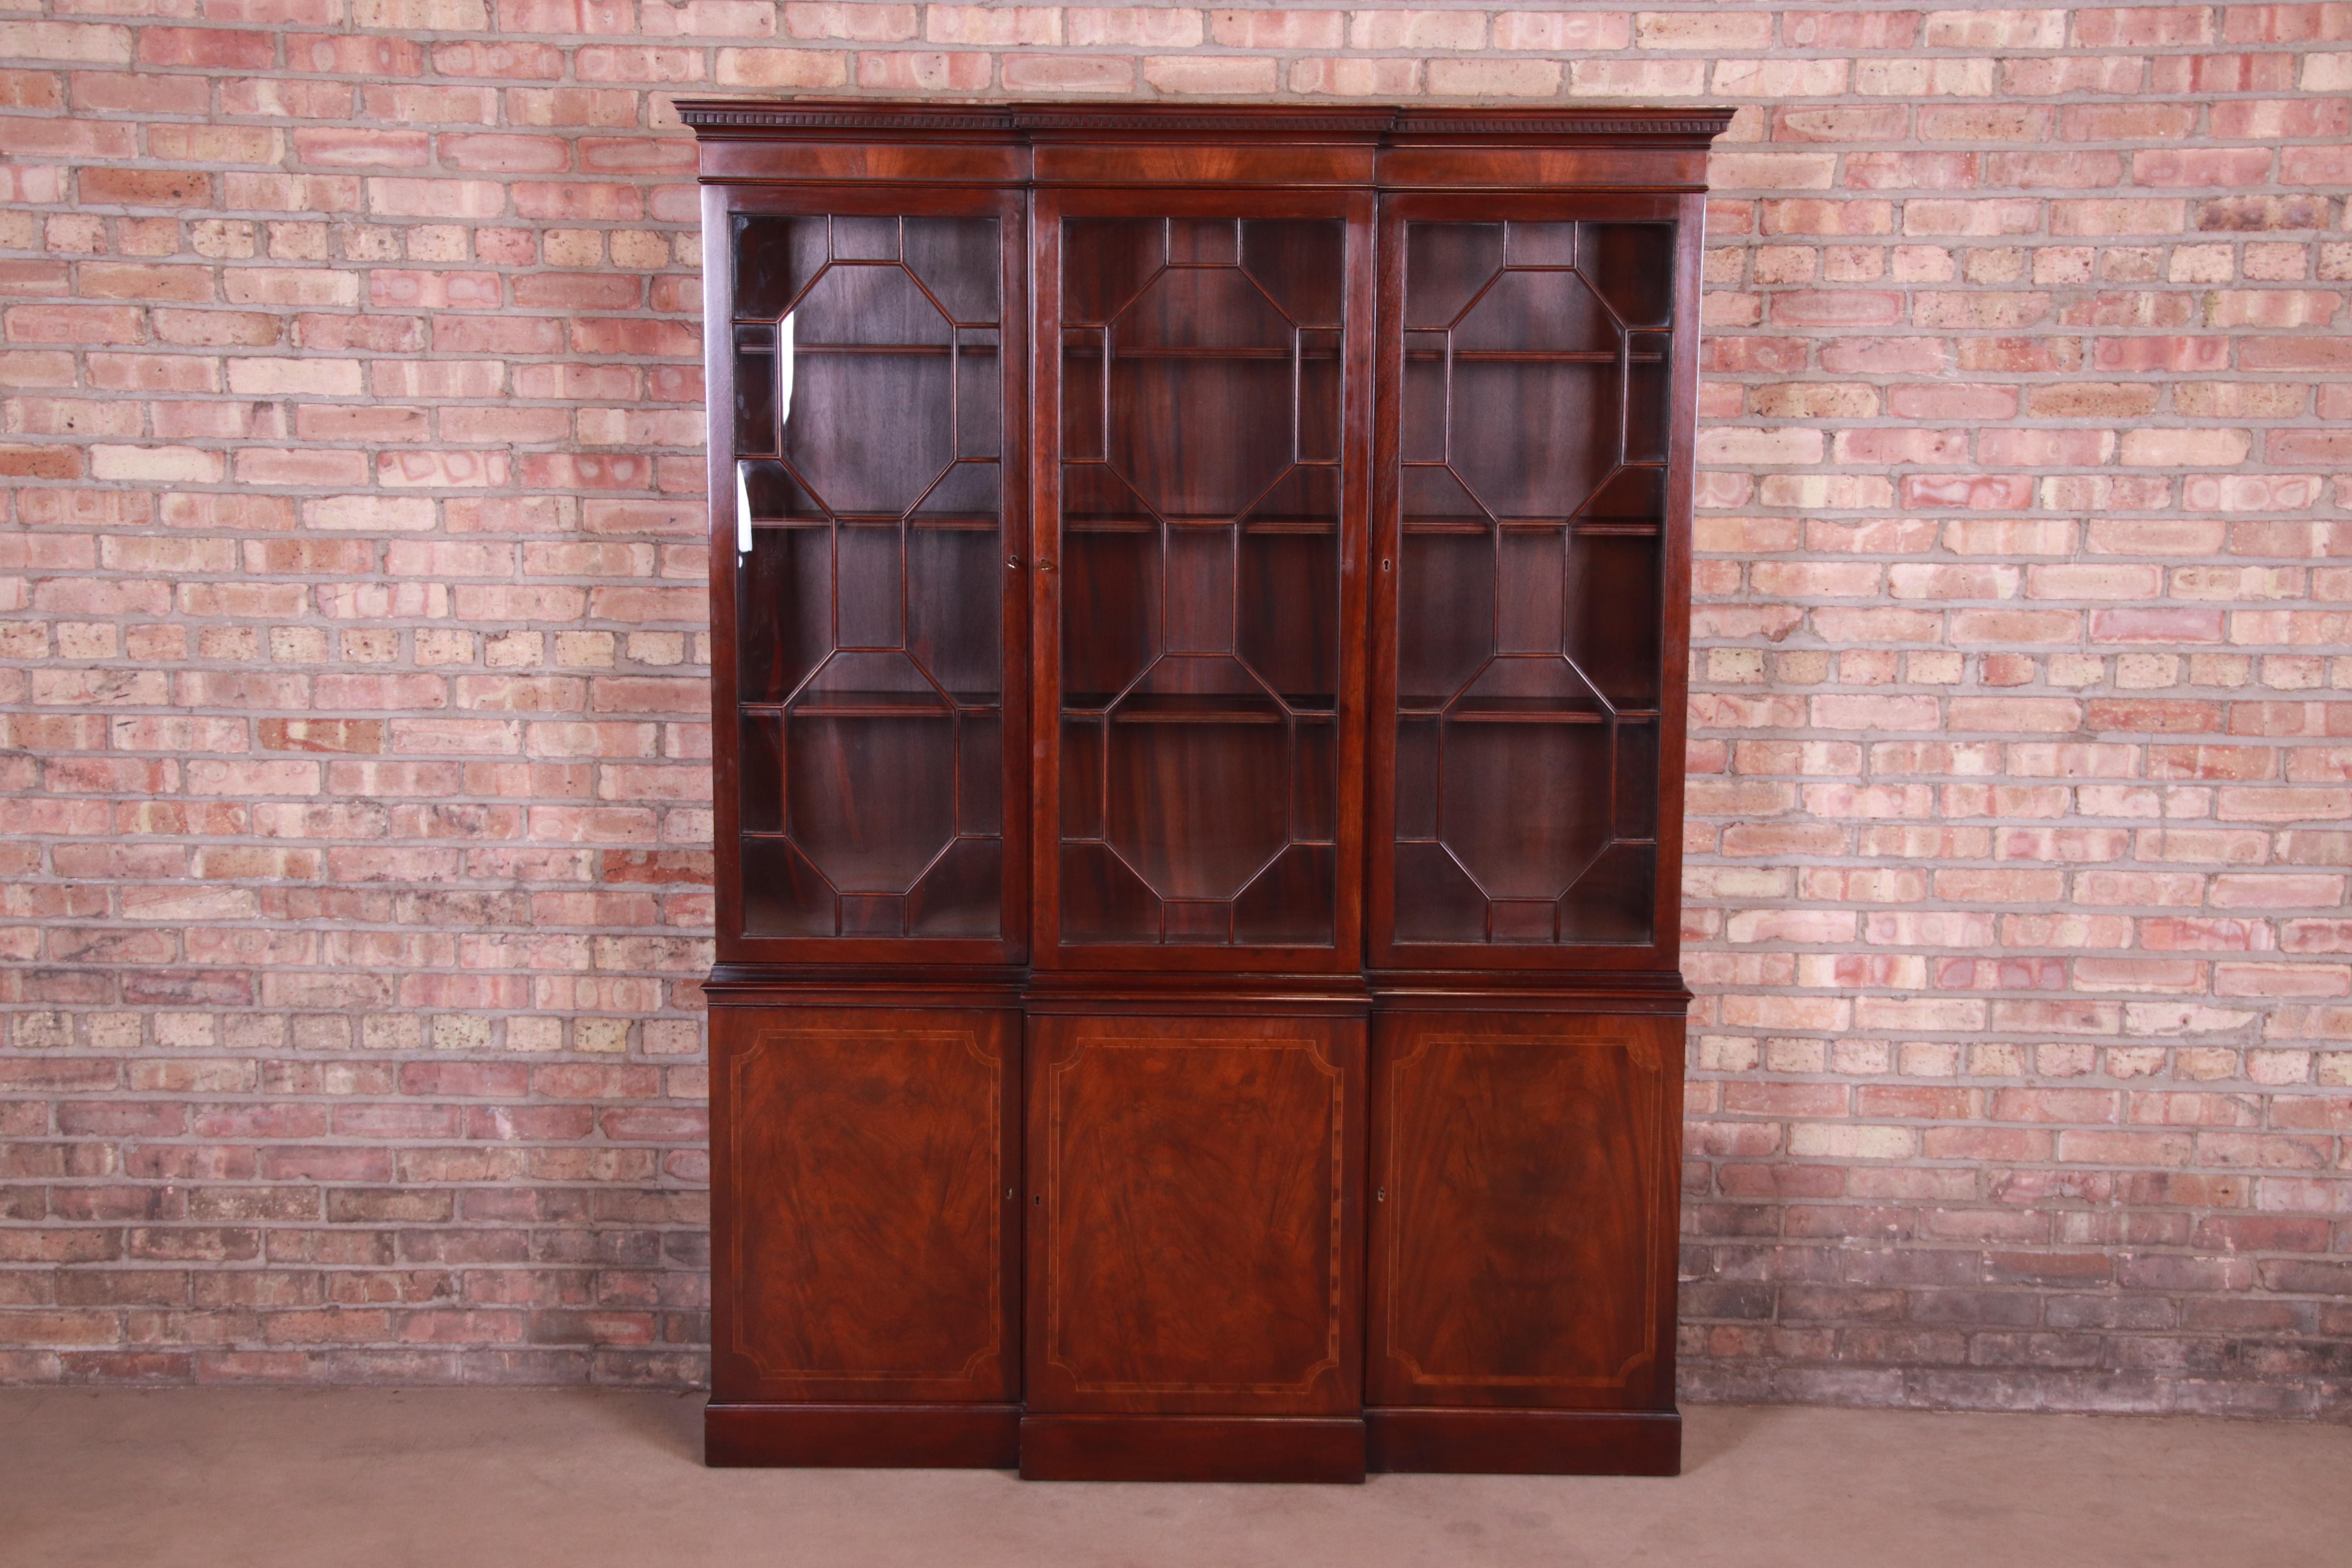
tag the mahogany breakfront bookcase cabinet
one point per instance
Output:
(1200, 607)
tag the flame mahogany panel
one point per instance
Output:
(1194, 1215)
(1522, 1166)
(864, 1168)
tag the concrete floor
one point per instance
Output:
(378, 1478)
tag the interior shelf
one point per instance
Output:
(1197, 710)
(1516, 711)
(940, 351)
(1094, 350)
(939, 524)
(1439, 843)
(779, 835)
(1521, 710)
(1530, 356)
(877, 705)
(1475, 526)
(1305, 525)
(1188, 707)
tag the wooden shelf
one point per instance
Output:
(779, 835)
(938, 351)
(1439, 843)
(939, 524)
(1530, 356)
(875, 705)
(1086, 350)
(1533, 525)
(1197, 710)
(1516, 711)
(1188, 708)
(1521, 710)
(1308, 525)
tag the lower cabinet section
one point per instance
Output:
(865, 1163)
(1193, 1219)
(1194, 1247)
(1525, 1171)
(1211, 1247)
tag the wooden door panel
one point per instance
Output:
(1193, 1243)
(1524, 1220)
(865, 1163)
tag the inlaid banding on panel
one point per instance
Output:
(1521, 1185)
(1193, 1188)
(865, 1170)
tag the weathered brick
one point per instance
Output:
(360, 532)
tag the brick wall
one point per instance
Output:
(353, 810)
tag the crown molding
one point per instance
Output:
(1018, 120)
(752, 114)
(1581, 121)
(1227, 117)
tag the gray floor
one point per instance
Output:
(357, 1478)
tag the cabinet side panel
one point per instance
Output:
(1681, 467)
(1195, 1196)
(1524, 1209)
(864, 1162)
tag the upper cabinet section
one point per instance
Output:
(1228, 538)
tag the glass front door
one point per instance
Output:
(1201, 481)
(1531, 481)
(870, 636)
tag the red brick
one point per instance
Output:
(2019, 735)
(212, 46)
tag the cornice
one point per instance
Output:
(1578, 121)
(1276, 121)
(750, 115)
(1157, 116)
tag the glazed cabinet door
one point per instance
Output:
(864, 1167)
(1524, 1170)
(1194, 1215)
(1201, 461)
(869, 630)
(1530, 619)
